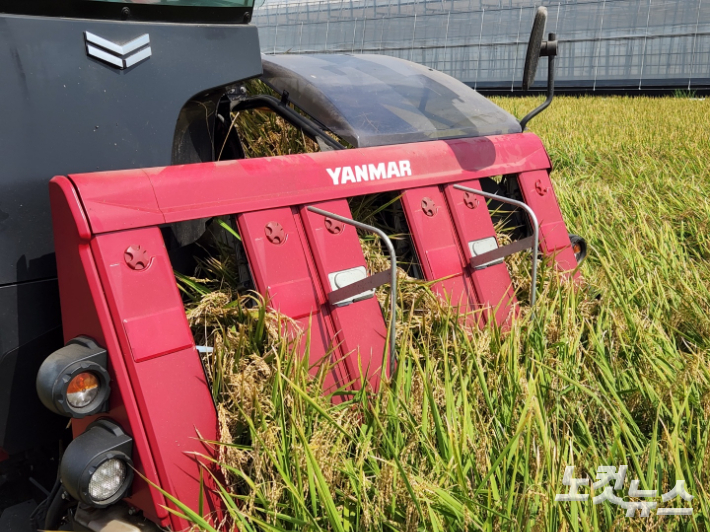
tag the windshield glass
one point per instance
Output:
(200, 3)
(377, 100)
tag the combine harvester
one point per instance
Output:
(97, 87)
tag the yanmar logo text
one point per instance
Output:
(369, 172)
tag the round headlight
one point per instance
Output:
(96, 468)
(107, 479)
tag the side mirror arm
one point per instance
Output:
(549, 49)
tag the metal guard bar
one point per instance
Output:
(358, 287)
(500, 253)
(372, 281)
(536, 234)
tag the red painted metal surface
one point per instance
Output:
(440, 255)
(492, 284)
(115, 201)
(283, 275)
(442, 221)
(85, 312)
(292, 272)
(554, 238)
(166, 373)
(360, 328)
(117, 285)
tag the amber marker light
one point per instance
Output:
(83, 389)
(74, 380)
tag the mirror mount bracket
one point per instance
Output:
(548, 48)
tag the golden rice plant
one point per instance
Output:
(477, 427)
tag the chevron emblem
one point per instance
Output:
(119, 55)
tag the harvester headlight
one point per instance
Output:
(107, 479)
(579, 247)
(74, 381)
(83, 389)
(96, 468)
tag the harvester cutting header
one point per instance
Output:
(156, 97)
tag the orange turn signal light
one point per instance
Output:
(83, 389)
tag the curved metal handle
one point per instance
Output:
(536, 230)
(393, 276)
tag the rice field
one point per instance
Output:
(477, 428)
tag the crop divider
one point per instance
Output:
(371, 282)
(533, 242)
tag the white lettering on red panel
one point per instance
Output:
(369, 172)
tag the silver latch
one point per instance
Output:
(344, 278)
(479, 247)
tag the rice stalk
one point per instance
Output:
(477, 430)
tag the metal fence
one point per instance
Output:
(631, 44)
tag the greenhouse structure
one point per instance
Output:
(639, 45)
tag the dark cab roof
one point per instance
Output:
(377, 100)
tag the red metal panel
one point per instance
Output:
(168, 378)
(538, 193)
(282, 273)
(179, 412)
(436, 243)
(132, 204)
(85, 312)
(493, 285)
(145, 344)
(361, 330)
(232, 187)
